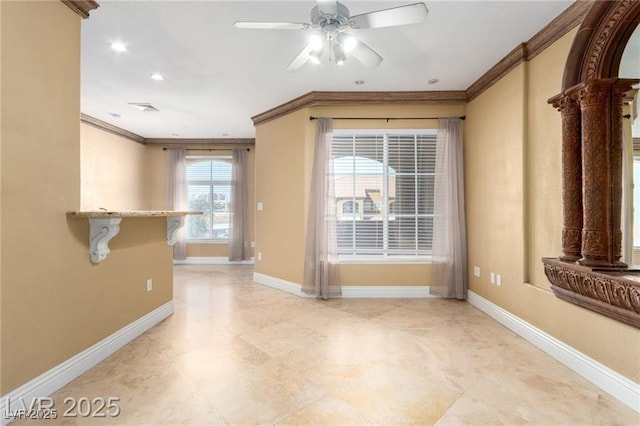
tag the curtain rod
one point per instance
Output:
(386, 118)
(205, 149)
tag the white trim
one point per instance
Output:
(427, 131)
(52, 380)
(386, 292)
(280, 284)
(349, 292)
(615, 384)
(210, 260)
(350, 259)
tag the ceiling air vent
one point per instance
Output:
(143, 106)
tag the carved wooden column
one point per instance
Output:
(601, 106)
(571, 176)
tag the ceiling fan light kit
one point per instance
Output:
(331, 23)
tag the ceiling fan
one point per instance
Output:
(331, 26)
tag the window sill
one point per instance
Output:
(361, 260)
(208, 242)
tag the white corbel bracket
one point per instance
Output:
(174, 223)
(101, 231)
(104, 225)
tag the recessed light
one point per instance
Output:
(118, 46)
(359, 82)
(157, 76)
(433, 81)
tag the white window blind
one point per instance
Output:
(384, 193)
(209, 190)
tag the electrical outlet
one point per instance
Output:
(493, 278)
(476, 271)
(259, 255)
(499, 280)
(149, 284)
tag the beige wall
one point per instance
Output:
(55, 303)
(157, 163)
(280, 167)
(114, 171)
(513, 194)
(284, 156)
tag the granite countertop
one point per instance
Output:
(129, 213)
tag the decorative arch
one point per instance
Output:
(588, 271)
(598, 46)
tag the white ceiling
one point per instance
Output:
(216, 77)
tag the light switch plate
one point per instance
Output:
(476, 271)
(260, 206)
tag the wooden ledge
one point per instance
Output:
(613, 293)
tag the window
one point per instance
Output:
(636, 202)
(350, 207)
(209, 190)
(391, 175)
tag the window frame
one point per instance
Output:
(636, 201)
(385, 258)
(211, 183)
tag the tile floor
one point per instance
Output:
(236, 352)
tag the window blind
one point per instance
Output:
(209, 190)
(384, 193)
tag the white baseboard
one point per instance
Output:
(349, 292)
(280, 284)
(386, 292)
(211, 261)
(618, 386)
(52, 380)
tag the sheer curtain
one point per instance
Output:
(321, 255)
(238, 244)
(449, 251)
(177, 195)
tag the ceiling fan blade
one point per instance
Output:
(300, 60)
(402, 15)
(271, 25)
(365, 54)
(328, 7)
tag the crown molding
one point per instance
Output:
(204, 143)
(102, 125)
(499, 70)
(570, 18)
(82, 7)
(360, 98)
